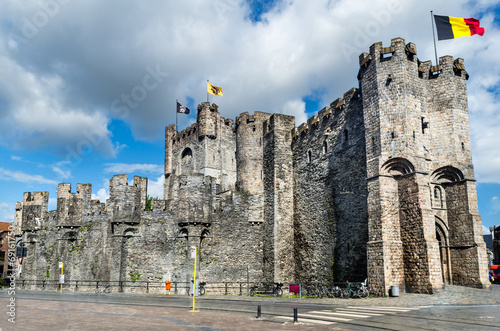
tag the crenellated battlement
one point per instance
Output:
(71, 207)
(125, 203)
(327, 116)
(185, 136)
(245, 119)
(380, 55)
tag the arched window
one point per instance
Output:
(187, 161)
(438, 197)
(186, 152)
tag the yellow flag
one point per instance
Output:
(215, 90)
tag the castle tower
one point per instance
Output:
(413, 146)
(208, 119)
(18, 218)
(169, 139)
(71, 207)
(278, 207)
(206, 148)
(126, 202)
(249, 162)
(32, 214)
(34, 210)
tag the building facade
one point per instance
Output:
(378, 185)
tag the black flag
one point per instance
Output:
(182, 109)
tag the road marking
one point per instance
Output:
(384, 309)
(328, 318)
(304, 320)
(345, 314)
(364, 312)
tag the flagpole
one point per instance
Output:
(434, 37)
(207, 92)
(176, 116)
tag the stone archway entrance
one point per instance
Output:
(444, 251)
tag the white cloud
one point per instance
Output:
(6, 212)
(23, 177)
(61, 169)
(123, 168)
(155, 188)
(63, 174)
(486, 230)
(102, 195)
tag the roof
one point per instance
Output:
(4, 226)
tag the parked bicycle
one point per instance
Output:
(337, 292)
(201, 289)
(106, 288)
(253, 290)
(277, 290)
(333, 292)
(311, 290)
(363, 290)
(360, 291)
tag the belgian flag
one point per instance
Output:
(453, 27)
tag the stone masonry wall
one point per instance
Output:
(330, 194)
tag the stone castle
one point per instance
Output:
(378, 185)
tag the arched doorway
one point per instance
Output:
(444, 250)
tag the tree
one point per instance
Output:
(149, 202)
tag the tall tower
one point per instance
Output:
(424, 229)
(279, 188)
(249, 162)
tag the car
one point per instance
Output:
(495, 272)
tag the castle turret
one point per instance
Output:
(169, 136)
(71, 207)
(278, 207)
(249, 152)
(18, 218)
(126, 202)
(208, 118)
(142, 185)
(34, 210)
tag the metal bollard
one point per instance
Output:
(258, 312)
(295, 315)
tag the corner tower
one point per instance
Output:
(418, 152)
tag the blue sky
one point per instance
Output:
(87, 87)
